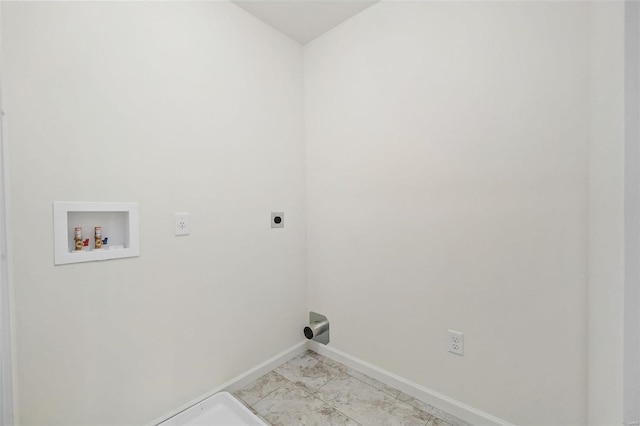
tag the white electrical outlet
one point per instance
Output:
(456, 342)
(182, 223)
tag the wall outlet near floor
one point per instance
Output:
(456, 342)
(182, 223)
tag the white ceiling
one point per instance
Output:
(304, 20)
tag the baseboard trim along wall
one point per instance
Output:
(241, 380)
(431, 397)
(438, 400)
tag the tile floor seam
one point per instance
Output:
(396, 397)
(362, 399)
(304, 389)
(368, 384)
(340, 379)
(431, 417)
(260, 399)
(336, 408)
(312, 395)
(315, 391)
(331, 405)
(347, 369)
(242, 400)
(339, 411)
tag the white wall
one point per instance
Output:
(463, 172)
(606, 213)
(6, 344)
(631, 361)
(447, 173)
(181, 107)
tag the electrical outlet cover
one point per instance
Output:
(181, 223)
(456, 343)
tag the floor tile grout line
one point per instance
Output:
(336, 371)
(331, 405)
(309, 394)
(351, 369)
(313, 395)
(362, 381)
(284, 384)
(286, 380)
(396, 397)
(368, 384)
(349, 417)
(456, 419)
(260, 399)
(328, 381)
(429, 415)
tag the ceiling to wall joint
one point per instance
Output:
(304, 20)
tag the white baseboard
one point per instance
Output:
(431, 397)
(240, 381)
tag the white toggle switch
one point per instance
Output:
(182, 223)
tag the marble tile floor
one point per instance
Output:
(311, 389)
